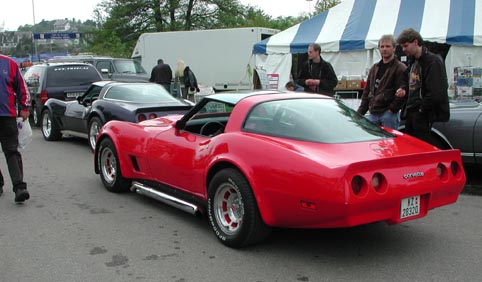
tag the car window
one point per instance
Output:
(32, 78)
(127, 66)
(92, 94)
(69, 75)
(139, 93)
(105, 65)
(316, 120)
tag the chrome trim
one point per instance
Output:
(165, 198)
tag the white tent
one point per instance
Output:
(349, 32)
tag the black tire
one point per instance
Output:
(233, 212)
(109, 168)
(50, 129)
(94, 126)
(36, 115)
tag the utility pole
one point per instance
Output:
(33, 27)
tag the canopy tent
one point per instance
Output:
(349, 32)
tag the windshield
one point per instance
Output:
(139, 93)
(128, 66)
(70, 75)
(316, 120)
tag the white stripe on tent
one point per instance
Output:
(382, 22)
(334, 26)
(435, 21)
(276, 44)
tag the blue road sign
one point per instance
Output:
(57, 35)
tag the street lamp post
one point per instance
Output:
(33, 27)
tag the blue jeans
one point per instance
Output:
(387, 119)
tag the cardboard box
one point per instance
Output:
(341, 85)
(353, 84)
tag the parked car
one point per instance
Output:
(104, 101)
(118, 69)
(63, 81)
(254, 161)
(463, 131)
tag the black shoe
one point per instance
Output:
(21, 195)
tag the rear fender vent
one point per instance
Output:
(134, 163)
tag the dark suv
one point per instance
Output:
(64, 81)
(118, 69)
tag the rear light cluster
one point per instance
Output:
(443, 172)
(143, 117)
(360, 185)
(44, 96)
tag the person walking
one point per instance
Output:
(181, 89)
(14, 96)
(384, 78)
(162, 74)
(426, 87)
(317, 75)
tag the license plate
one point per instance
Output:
(410, 207)
(73, 94)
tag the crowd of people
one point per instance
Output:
(416, 92)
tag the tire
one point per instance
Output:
(109, 167)
(94, 126)
(233, 212)
(50, 130)
(36, 116)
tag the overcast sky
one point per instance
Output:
(14, 13)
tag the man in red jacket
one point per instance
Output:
(14, 96)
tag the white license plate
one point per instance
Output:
(410, 207)
(73, 95)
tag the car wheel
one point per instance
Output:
(94, 126)
(50, 131)
(36, 115)
(110, 172)
(233, 212)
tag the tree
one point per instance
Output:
(323, 5)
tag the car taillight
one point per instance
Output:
(141, 117)
(358, 185)
(441, 171)
(379, 182)
(151, 116)
(454, 166)
(44, 96)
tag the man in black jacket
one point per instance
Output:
(317, 75)
(384, 78)
(162, 74)
(426, 80)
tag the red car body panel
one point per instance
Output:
(297, 184)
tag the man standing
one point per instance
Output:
(13, 95)
(427, 97)
(384, 78)
(162, 74)
(317, 75)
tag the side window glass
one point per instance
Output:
(104, 65)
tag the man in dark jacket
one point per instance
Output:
(384, 78)
(317, 75)
(426, 87)
(162, 74)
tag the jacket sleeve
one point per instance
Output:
(363, 108)
(434, 84)
(328, 79)
(20, 88)
(401, 79)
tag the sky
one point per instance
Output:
(14, 13)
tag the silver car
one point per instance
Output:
(463, 131)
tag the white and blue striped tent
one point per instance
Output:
(349, 32)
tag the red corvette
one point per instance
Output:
(253, 161)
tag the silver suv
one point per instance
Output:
(118, 69)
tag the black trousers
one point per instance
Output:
(418, 125)
(9, 141)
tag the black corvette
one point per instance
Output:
(105, 101)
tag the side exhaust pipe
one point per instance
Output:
(165, 198)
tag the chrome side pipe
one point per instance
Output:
(165, 198)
